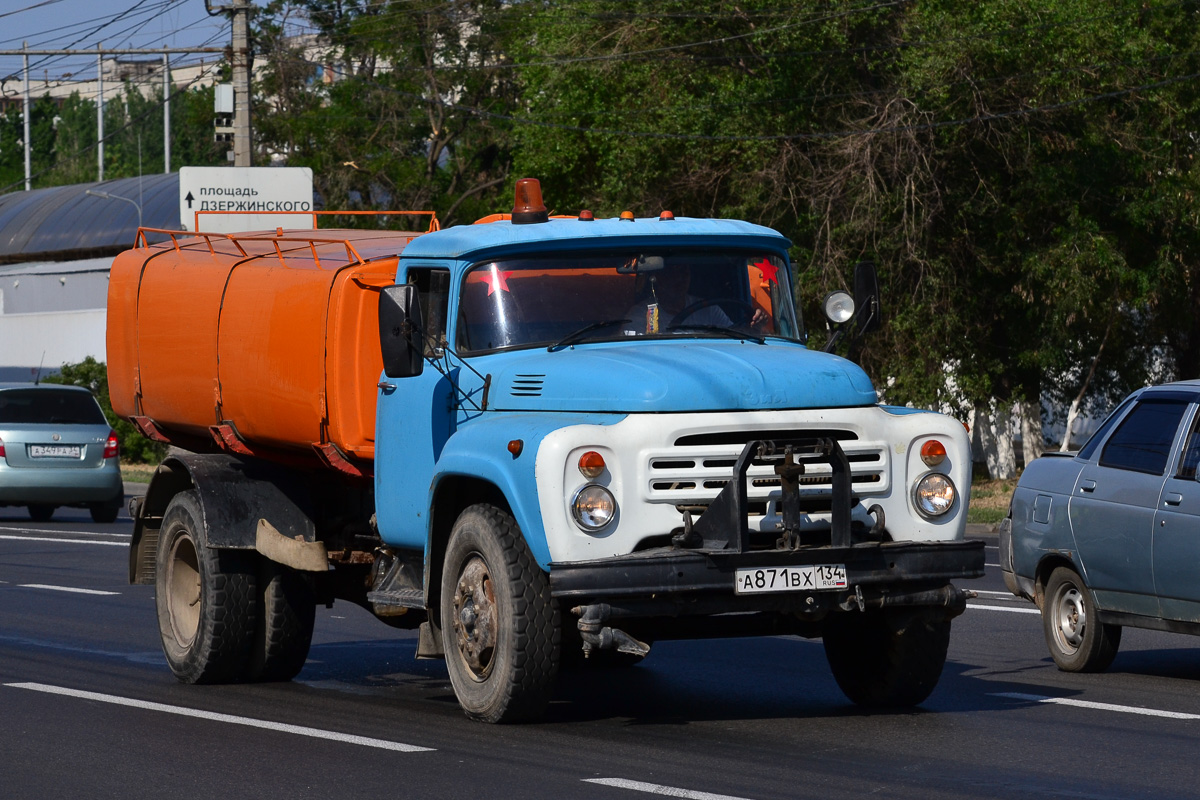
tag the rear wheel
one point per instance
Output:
(106, 512)
(41, 512)
(886, 660)
(499, 622)
(284, 629)
(1078, 641)
(206, 599)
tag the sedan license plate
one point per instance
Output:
(758, 580)
(54, 451)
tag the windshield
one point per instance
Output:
(560, 299)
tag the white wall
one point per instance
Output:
(50, 339)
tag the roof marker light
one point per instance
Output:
(528, 207)
(627, 216)
(586, 216)
(666, 216)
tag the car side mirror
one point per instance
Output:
(401, 331)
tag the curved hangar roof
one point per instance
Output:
(64, 222)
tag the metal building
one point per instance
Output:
(56, 246)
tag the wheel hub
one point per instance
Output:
(183, 591)
(1071, 618)
(476, 625)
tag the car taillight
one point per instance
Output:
(110, 447)
(1, 448)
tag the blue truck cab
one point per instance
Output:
(624, 414)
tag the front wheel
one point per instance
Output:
(1078, 641)
(890, 660)
(206, 599)
(500, 626)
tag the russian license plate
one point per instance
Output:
(54, 451)
(817, 577)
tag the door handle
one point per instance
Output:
(1172, 498)
(1087, 486)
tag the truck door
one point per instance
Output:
(413, 422)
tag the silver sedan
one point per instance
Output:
(57, 449)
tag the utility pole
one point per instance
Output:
(99, 113)
(166, 114)
(28, 165)
(242, 144)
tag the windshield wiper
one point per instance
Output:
(732, 333)
(575, 336)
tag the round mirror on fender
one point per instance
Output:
(839, 307)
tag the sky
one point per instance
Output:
(84, 24)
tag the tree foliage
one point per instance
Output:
(64, 146)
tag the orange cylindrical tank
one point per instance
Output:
(264, 344)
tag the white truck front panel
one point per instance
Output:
(657, 465)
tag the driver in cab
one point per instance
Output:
(668, 295)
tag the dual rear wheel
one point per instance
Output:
(227, 615)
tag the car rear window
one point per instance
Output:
(1143, 440)
(49, 406)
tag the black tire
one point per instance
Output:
(41, 512)
(283, 633)
(206, 599)
(500, 626)
(106, 513)
(1077, 640)
(886, 661)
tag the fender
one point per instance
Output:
(480, 450)
(234, 496)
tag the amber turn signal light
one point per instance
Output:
(591, 464)
(933, 452)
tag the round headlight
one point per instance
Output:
(934, 495)
(593, 507)
(839, 307)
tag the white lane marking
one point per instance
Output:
(986, 564)
(299, 730)
(62, 541)
(60, 531)
(654, 788)
(1005, 608)
(61, 588)
(1066, 701)
(998, 594)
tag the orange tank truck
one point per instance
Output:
(254, 344)
(550, 438)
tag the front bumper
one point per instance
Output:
(690, 580)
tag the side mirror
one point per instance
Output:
(401, 331)
(868, 316)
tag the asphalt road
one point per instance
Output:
(89, 709)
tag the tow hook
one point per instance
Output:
(598, 636)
